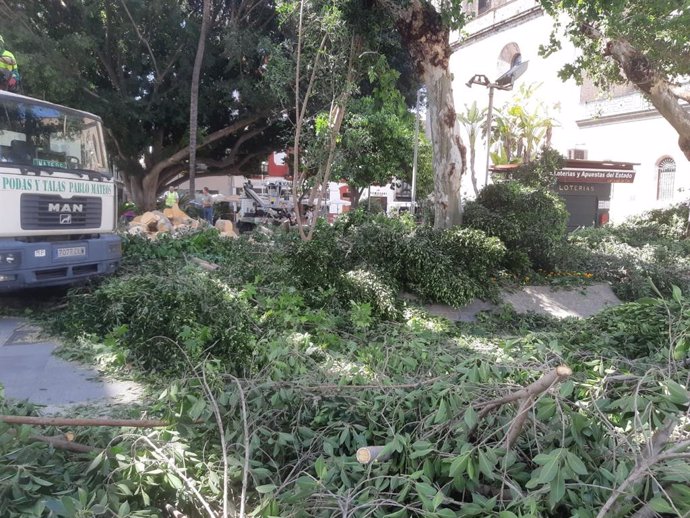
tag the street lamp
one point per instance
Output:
(264, 171)
(505, 82)
(416, 154)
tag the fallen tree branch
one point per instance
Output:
(205, 265)
(648, 459)
(58, 443)
(64, 421)
(518, 422)
(540, 386)
(369, 454)
(247, 443)
(161, 456)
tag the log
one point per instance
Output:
(62, 444)
(58, 443)
(369, 454)
(64, 421)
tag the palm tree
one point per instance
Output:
(473, 120)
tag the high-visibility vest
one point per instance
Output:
(5, 66)
(171, 199)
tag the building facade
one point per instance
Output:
(617, 126)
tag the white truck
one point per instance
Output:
(57, 198)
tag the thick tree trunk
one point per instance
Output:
(426, 38)
(662, 94)
(449, 151)
(143, 190)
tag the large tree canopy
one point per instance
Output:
(131, 62)
(642, 41)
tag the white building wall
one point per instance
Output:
(618, 129)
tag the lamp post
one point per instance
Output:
(264, 171)
(505, 82)
(413, 197)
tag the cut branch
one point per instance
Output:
(64, 421)
(531, 391)
(58, 443)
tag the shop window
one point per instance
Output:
(666, 176)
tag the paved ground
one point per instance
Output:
(582, 302)
(30, 371)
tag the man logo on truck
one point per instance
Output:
(66, 207)
(65, 219)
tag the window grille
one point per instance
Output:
(666, 178)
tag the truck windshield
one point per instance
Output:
(43, 136)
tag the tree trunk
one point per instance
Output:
(143, 190)
(639, 71)
(194, 98)
(427, 40)
(449, 151)
(473, 170)
(355, 195)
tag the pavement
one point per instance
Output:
(580, 302)
(30, 371)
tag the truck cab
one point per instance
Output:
(57, 196)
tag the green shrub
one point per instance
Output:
(189, 309)
(364, 286)
(670, 223)
(451, 266)
(526, 219)
(633, 330)
(472, 251)
(317, 263)
(628, 268)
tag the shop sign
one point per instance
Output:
(566, 187)
(595, 176)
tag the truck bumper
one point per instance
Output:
(54, 263)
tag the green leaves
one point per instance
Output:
(575, 464)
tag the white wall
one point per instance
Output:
(643, 141)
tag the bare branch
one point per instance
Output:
(142, 39)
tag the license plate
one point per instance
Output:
(72, 251)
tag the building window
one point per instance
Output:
(509, 56)
(483, 6)
(666, 170)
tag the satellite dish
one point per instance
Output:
(509, 77)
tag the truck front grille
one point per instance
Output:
(49, 212)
